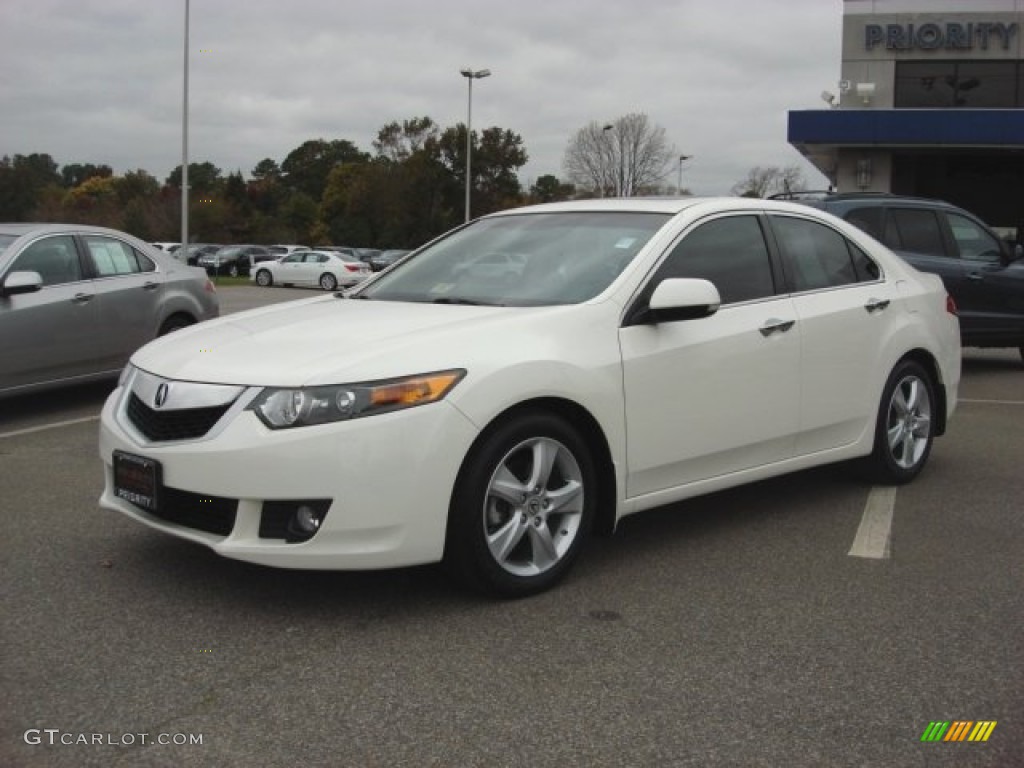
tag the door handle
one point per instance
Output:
(81, 298)
(774, 325)
(150, 286)
(876, 305)
(977, 276)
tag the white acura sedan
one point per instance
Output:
(327, 269)
(643, 351)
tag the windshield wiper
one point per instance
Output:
(470, 302)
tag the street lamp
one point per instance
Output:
(679, 181)
(470, 76)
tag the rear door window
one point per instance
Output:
(816, 256)
(868, 219)
(917, 230)
(112, 257)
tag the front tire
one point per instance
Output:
(233, 271)
(905, 426)
(264, 279)
(328, 281)
(522, 507)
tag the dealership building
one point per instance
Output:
(930, 103)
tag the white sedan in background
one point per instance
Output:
(647, 351)
(327, 269)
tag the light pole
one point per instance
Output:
(619, 184)
(184, 149)
(470, 76)
(679, 181)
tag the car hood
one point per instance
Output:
(329, 340)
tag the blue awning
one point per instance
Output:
(1002, 128)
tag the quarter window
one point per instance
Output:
(816, 256)
(730, 252)
(54, 258)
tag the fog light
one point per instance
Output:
(307, 520)
(294, 520)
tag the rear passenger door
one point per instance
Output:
(919, 236)
(843, 308)
(128, 289)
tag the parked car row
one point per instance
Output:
(239, 260)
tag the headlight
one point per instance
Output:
(305, 406)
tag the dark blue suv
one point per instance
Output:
(983, 273)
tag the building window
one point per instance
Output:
(951, 84)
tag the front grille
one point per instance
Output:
(213, 514)
(183, 424)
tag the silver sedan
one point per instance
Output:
(76, 301)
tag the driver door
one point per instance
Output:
(720, 394)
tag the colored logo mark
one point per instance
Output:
(958, 730)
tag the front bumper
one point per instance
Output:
(388, 479)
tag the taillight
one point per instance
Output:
(210, 287)
(951, 305)
(351, 267)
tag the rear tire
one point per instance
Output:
(328, 281)
(522, 507)
(905, 425)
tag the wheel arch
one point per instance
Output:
(175, 320)
(927, 361)
(591, 432)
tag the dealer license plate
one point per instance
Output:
(137, 480)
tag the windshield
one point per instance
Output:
(522, 260)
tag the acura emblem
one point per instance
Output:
(161, 394)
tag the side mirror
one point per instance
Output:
(681, 298)
(21, 282)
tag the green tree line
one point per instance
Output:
(408, 189)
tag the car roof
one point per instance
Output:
(668, 205)
(24, 228)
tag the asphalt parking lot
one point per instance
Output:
(732, 630)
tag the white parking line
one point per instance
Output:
(992, 402)
(872, 539)
(44, 427)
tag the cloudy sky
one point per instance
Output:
(100, 81)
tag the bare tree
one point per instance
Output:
(772, 180)
(620, 158)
